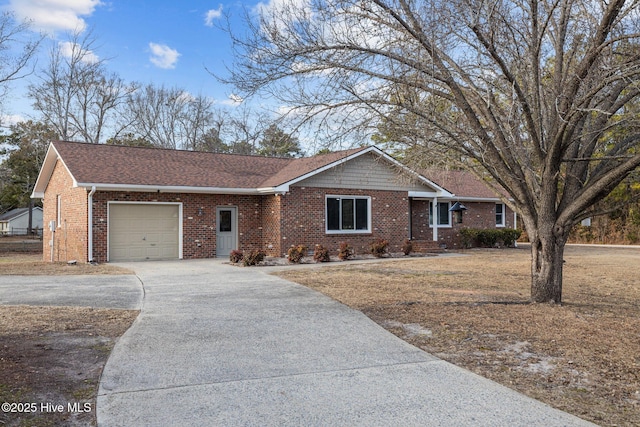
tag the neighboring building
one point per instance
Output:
(16, 222)
(148, 203)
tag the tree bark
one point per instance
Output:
(547, 259)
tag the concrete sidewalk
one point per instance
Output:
(225, 346)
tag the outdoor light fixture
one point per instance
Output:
(457, 209)
(200, 211)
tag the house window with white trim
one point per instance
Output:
(444, 216)
(58, 211)
(348, 214)
(500, 214)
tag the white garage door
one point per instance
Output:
(143, 232)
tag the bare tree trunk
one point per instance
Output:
(547, 259)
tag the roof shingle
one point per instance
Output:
(463, 184)
(122, 165)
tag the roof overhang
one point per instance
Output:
(425, 194)
(52, 157)
(167, 189)
(49, 164)
(478, 199)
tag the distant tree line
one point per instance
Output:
(76, 98)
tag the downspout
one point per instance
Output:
(90, 225)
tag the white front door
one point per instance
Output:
(226, 230)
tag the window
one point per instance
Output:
(444, 216)
(58, 211)
(345, 214)
(225, 221)
(500, 213)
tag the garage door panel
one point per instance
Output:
(143, 232)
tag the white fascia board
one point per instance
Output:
(423, 194)
(272, 190)
(167, 189)
(46, 171)
(13, 218)
(478, 199)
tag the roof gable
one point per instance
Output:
(368, 171)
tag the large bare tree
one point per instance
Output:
(75, 94)
(17, 49)
(169, 117)
(525, 91)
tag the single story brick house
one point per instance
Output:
(116, 203)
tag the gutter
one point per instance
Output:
(168, 189)
(90, 225)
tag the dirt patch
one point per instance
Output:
(582, 357)
(51, 359)
(24, 264)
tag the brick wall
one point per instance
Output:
(271, 222)
(272, 225)
(478, 215)
(303, 222)
(70, 241)
(199, 230)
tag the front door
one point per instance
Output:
(226, 230)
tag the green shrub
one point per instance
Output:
(345, 251)
(489, 238)
(296, 253)
(469, 237)
(379, 247)
(407, 247)
(235, 256)
(254, 257)
(510, 236)
(321, 254)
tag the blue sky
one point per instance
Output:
(166, 42)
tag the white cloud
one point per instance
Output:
(70, 49)
(211, 15)
(11, 119)
(54, 15)
(163, 56)
(276, 6)
(232, 101)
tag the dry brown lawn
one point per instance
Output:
(54, 354)
(582, 357)
(16, 263)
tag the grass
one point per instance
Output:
(16, 263)
(582, 356)
(54, 354)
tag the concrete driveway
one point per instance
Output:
(228, 346)
(108, 291)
